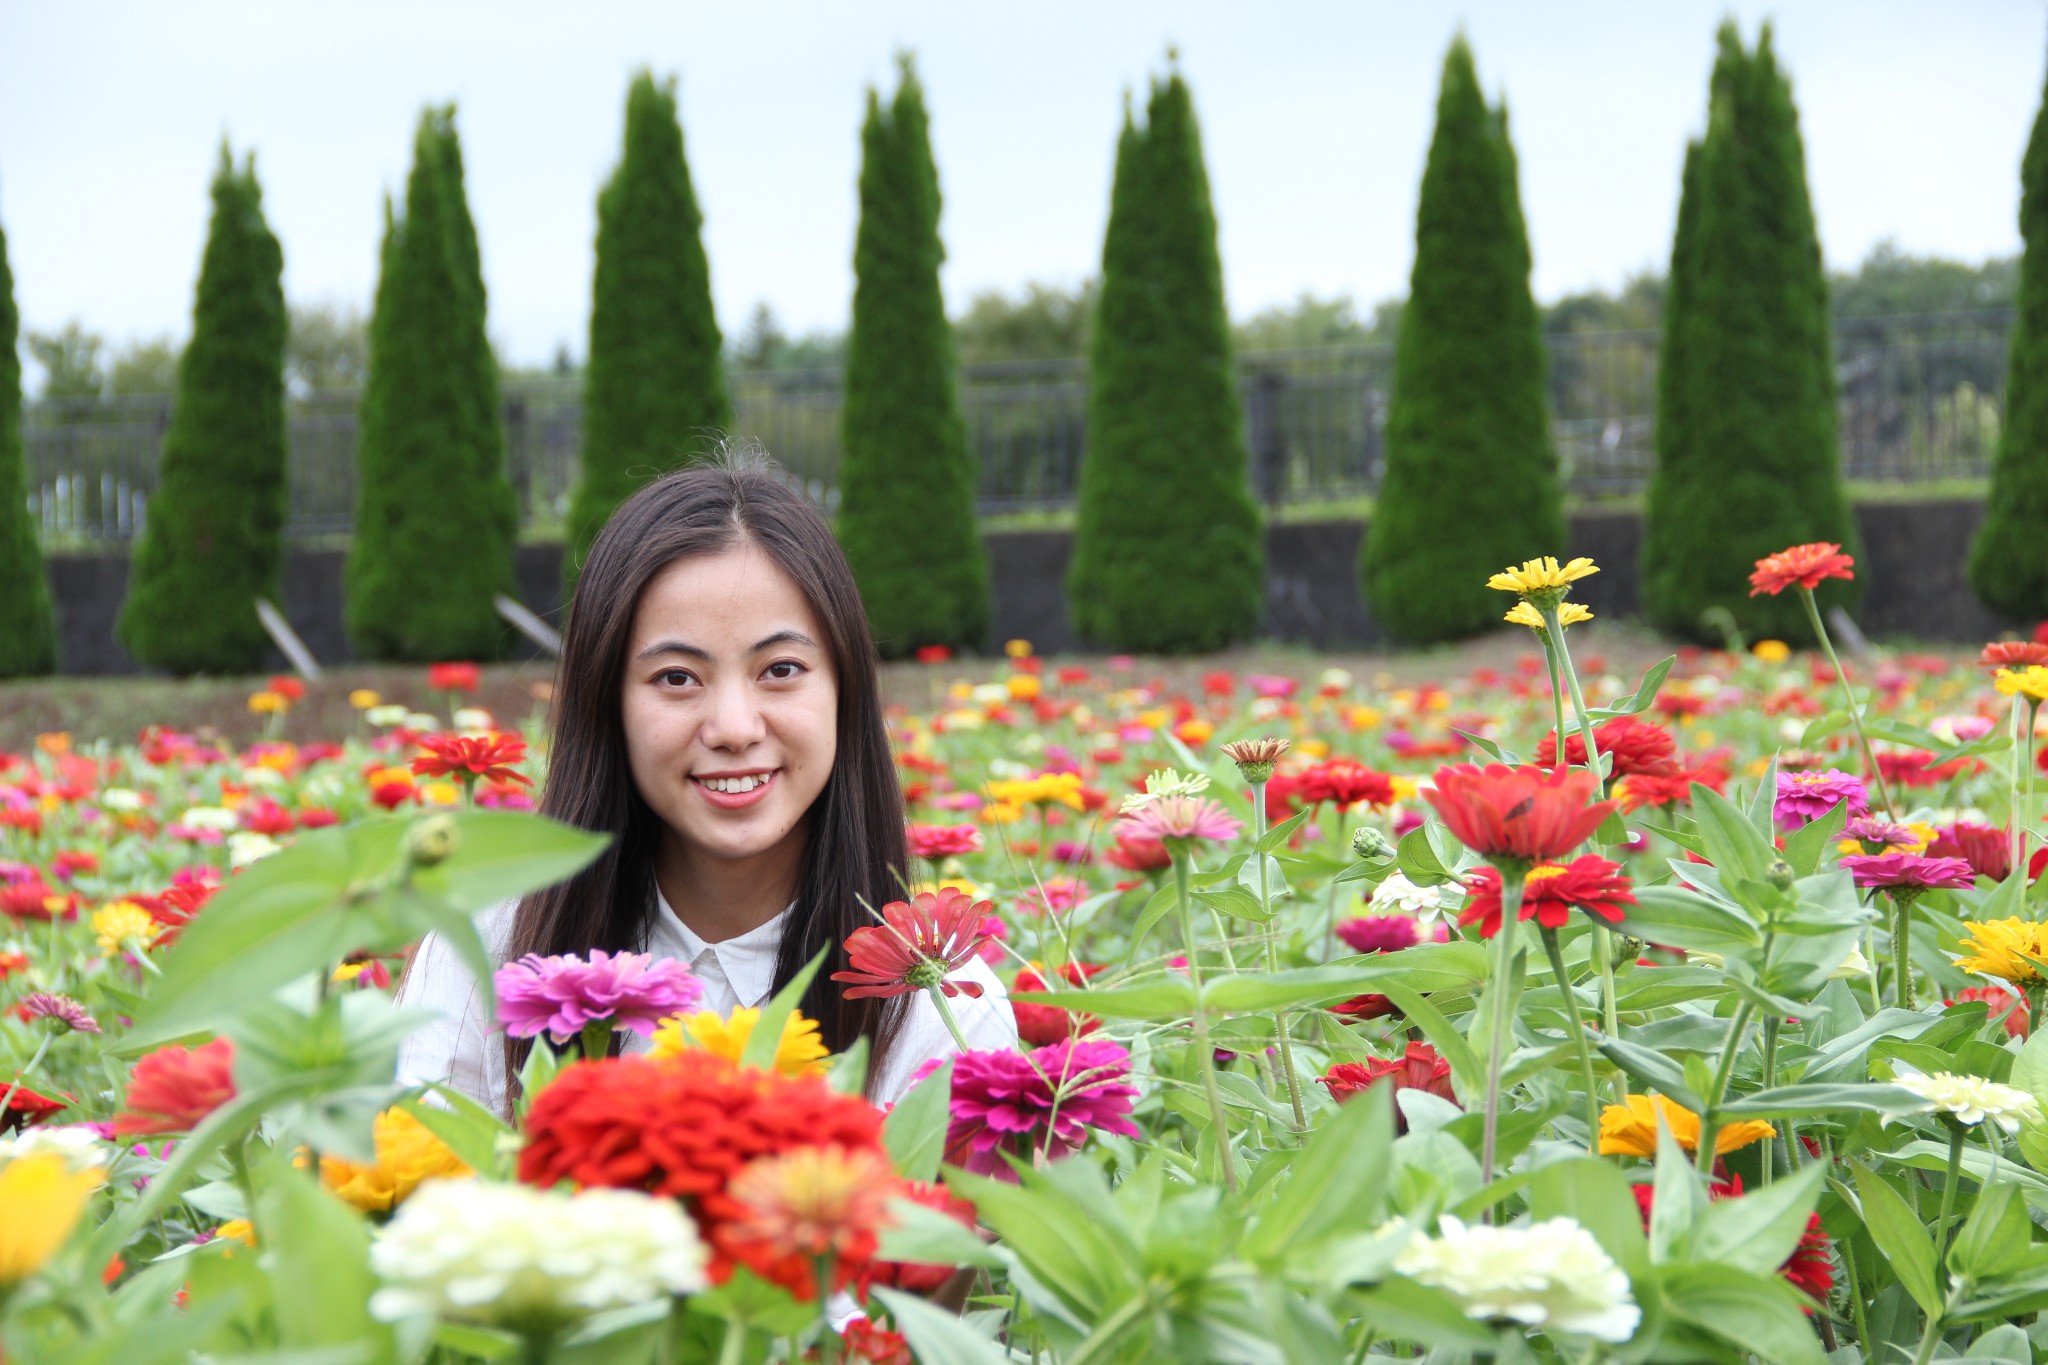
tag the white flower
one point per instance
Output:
(121, 799)
(246, 846)
(262, 777)
(1790, 728)
(473, 719)
(81, 1148)
(389, 714)
(210, 817)
(1550, 1275)
(1265, 708)
(1969, 1100)
(513, 1256)
(422, 722)
(1425, 903)
(990, 694)
(1339, 678)
(1164, 783)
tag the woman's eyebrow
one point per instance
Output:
(780, 637)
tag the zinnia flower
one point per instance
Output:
(80, 1145)
(1343, 783)
(1969, 1100)
(920, 1277)
(124, 927)
(62, 1010)
(1805, 797)
(1420, 1067)
(809, 1203)
(452, 677)
(508, 1256)
(1908, 874)
(173, 1089)
(1988, 851)
(42, 1197)
(800, 1051)
(1810, 1268)
(408, 1154)
(2014, 654)
(1802, 565)
(919, 943)
(1040, 1025)
(1550, 1275)
(1399, 895)
(933, 842)
(1180, 820)
(2030, 682)
(1379, 933)
(1542, 581)
(1876, 835)
(1631, 1129)
(1550, 892)
(1637, 747)
(1255, 757)
(25, 1106)
(1135, 852)
(2003, 948)
(1046, 1100)
(471, 758)
(1568, 614)
(1524, 815)
(559, 995)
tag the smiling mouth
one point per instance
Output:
(737, 789)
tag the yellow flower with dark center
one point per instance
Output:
(2030, 682)
(123, 927)
(1568, 614)
(1541, 580)
(41, 1198)
(1631, 1129)
(799, 1052)
(2002, 947)
(407, 1153)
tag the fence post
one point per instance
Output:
(1263, 435)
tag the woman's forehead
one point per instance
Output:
(725, 601)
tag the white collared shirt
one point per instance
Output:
(457, 1049)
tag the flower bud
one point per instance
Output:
(1367, 842)
(1779, 874)
(431, 841)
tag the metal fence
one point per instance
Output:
(1921, 401)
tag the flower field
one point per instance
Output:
(1531, 1012)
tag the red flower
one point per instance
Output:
(288, 687)
(2004, 1005)
(173, 1089)
(1803, 565)
(26, 1107)
(265, 816)
(2014, 654)
(1638, 748)
(1528, 814)
(919, 943)
(916, 1276)
(933, 842)
(682, 1127)
(452, 677)
(1988, 851)
(867, 1344)
(1343, 782)
(31, 900)
(10, 963)
(934, 654)
(1135, 852)
(175, 907)
(1040, 1025)
(472, 758)
(1810, 1268)
(1418, 1068)
(1917, 768)
(1550, 893)
(70, 862)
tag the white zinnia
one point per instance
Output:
(121, 799)
(1550, 1275)
(1970, 1100)
(247, 846)
(1398, 894)
(514, 1256)
(80, 1146)
(210, 817)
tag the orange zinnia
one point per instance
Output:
(1802, 566)
(1523, 814)
(470, 758)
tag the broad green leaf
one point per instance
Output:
(1900, 1236)
(1170, 996)
(1237, 903)
(317, 1240)
(1328, 1189)
(938, 1337)
(1736, 847)
(1758, 1313)
(1411, 1311)
(766, 1038)
(1997, 1238)
(928, 1237)
(1597, 1195)
(1807, 846)
(471, 1131)
(915, 1130)
(1279, 834)
(1680, 918)
(1638, 701)
(1418, 860)
(1158, 906)
(1432, 967)
(1759, 1230)
(1653, 1070)
(1820, 727)
(1467, 1072)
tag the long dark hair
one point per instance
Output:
(855, 849)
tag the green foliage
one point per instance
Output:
(2009, 561)
(907, 480)
(436, 517)
(1042, 322)
(1747, 458)
(28, 626)
(655, 382)
(70, 361)
(1471, 480)
(214, 539)
(1168, 553)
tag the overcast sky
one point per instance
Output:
(1316, 118)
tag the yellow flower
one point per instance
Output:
(1018, 649)
(1568, 614)
(1538, 578)
(349, 971)
(407, 1153)
(800, 1052)
(1194, 733)
(41, 1199)
(1631, 1129)
(2030, 682)
(268, 703)
(440, 794)
(2002, 948)
(363, 699)
(122, 926)
(1022, 686)
(1000, 813)
(236, 1230)
(1363, 717)
(1771, 651)
(1405, 787)
(1044, 790)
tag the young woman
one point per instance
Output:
(717, 714)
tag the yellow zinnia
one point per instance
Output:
(122, 927)
(1568, 614)
(1043, 790)
(2003, 948)
(407, 1153)
(1771, 651)
(1542, 577)
(40, 1201)
(2030, 682)
(1631, 1129)
(799, 1052)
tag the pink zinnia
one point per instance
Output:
(1045, 1100)
(1908, 872)
(933, 842)
(62, 1009)
(1182, 818)
(1379, 933)
(1869, 829)
(559, 995)
(1988, 851)
(1805, 797)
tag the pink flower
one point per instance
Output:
(1908, 872)
(1805, 797)
(918, 944)
(1045, 1100)
(559, 995)
(1379, 933)
(1869, 829)
(62, 1010)
(1183, 818)
(933, 842)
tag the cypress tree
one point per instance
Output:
(2009, 561)
(1471, 477)
(28, 626)
(1748, 460)
(214, 538)
(435, 515)
(655, 377)
(907, 480)
(1168, 551)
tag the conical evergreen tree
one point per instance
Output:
(2009, 561)
(435, 515)
(907, 480)
(28, 626)
(214, 538)
(1471, 478)
(1748, 460)
(655, 379)
(1168, 550)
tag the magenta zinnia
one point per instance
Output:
(61, 1010)
(1182, 818)
(1911, 873)
(559, 995)
(918, 945)
(1805, 797)
(1045, 1100)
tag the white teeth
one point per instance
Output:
(734, 784)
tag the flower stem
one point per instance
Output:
(42, 1050)
(828, 1343)
(1902, 951)
(946, 1013)
(1770, 1073)
(1948, 1188)
(597, 1039)
(2016, 833)
(2024, 817)
(1857, 1312)
(1710, 1122)
(1556, 689)
(1820, 630)
(1498, 986)
(1273, 957)
(1610, 1007)
(1555, 629)
(1205, 1055)
(1571, 1014)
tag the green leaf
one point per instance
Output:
(1597, 1195)
(313, 1239)
(1899, 1235)
(1759, 1230)
(938, 1337)
(1796, 1101)
(1638, 701)
(1418, 860)
(1807, 846)
(1487, 747)
(1997, 1238)
(1281, 833)
(1431, 967)
(470, 1130)
(766, 1038)
(915, 1130)
(1467, 1073)
(928, 1237)
(1327, 1190)
(1680, 918)
(1410, 1311)
(1157, 906)
(1237, 903)
(1758, 1313)
(1653, 1070)
(1736, 847)
(1170, 996)
(1820, 727)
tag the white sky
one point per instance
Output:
(1316, 118)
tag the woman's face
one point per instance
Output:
(730, 705)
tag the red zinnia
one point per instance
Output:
(933, 842)
(1529, 814)
(1040, 1025)
(1135, 852)
(918, 944)
(1550, 893)
(471, 758)
(31, 900)
(1638, 747)
(1988, 851)
(1343, 783)
(2003, 1004)
(173, 1089)
(2014, 654)
(1810, 1268)
(452, 677)
(1801, 565)
(1420, 1067)
(26, 1107)
(919, 1277)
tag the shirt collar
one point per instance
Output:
(748, 961)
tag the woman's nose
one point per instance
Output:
(735, 720)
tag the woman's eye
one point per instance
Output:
(672, 677)
(789, 669)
